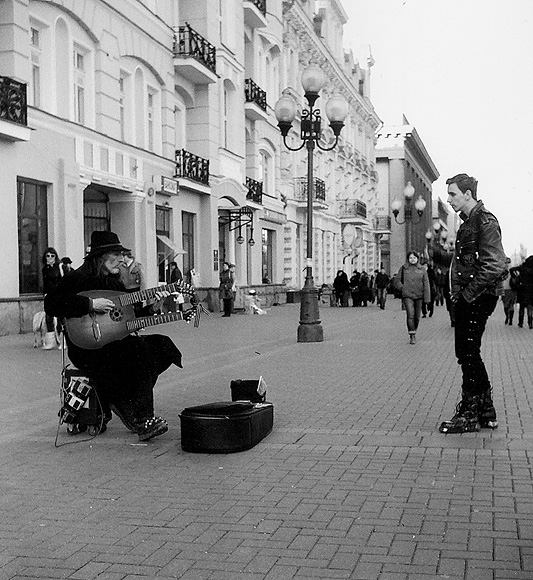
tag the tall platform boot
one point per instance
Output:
(487, 412)
(466, 418)
(412, 337)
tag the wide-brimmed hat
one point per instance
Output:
(102, 242)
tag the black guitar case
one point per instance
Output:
(225, 427)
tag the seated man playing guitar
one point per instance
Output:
(125, 370)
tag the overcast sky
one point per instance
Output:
(462, 73)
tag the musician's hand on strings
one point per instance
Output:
(159, 299)
(102, 305)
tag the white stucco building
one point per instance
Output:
(155, 119)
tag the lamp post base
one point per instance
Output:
(310, 329)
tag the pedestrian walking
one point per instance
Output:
(429, 307)
(477, 271)
(510, 286)
(364, 289)
(382, 282)
(524, 276)
(412, 281)
(226, 289)
(341, 285)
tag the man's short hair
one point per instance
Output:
(464, 182)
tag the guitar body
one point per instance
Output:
(95, 330)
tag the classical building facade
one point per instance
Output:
(402, 159)
(155, 119)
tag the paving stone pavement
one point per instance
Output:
(354, 482)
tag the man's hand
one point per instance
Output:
(102, 305)
(159, 299)
(456, 297)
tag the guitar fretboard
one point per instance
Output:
(134, 297)
(146, 321)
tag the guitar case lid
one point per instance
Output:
(219, 409)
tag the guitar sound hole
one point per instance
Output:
(116, 315)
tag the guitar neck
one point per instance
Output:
(146, 321)
(134, 297)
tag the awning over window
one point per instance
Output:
(171, 249)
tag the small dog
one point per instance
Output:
(39, 329)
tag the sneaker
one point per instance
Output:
(466, 418)
(151, 427)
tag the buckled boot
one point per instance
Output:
(487, 412)
(466, 418)
(151, 427)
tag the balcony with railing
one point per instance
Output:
(191, 166)
(13, 110)
(351, 211)
(255, 13)
(194, 56)
(255, 101)
(255, 190)
(300, 190)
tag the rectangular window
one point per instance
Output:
(119, 163)
(79, 87)
(267, 240)
(187, 240)
(122, 111)
(150, 113)
(32, 234)
(35, 92)
(162, 228)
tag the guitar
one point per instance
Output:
(96, 329)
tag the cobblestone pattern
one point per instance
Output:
(355, 482)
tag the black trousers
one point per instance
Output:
(470, 322)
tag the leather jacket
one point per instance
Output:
(478, 265)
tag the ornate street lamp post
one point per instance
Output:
(313, 80)
(420, 206)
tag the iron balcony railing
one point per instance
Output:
(187, 42)
(191, 166)
(255, 190)
(349, 208)
(13, 103)
(261, 5)
(382, 222)
(300, 189)
(254, 94)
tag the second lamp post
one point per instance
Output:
(313, 80)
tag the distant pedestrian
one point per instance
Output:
(524, 274)
(131, 273)
(510, 287)
(226, 289)
(175, 301)
(412, 281)
(341, 285)
(65, 265)
(477, 270)
(428, 308)
(233, 288)
(382, 282)
(364, 289)
(354, 288)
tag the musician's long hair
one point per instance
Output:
(94, 267)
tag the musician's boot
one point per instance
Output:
(49, 341)
(125, 414)
(487, 412)
(466, 418)
(151, 427)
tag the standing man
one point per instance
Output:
(382, 282)
(477, 270)
(131, 273)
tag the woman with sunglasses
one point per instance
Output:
(51, 278)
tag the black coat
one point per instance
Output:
(125, 370)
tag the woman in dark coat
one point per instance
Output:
(124, 371)
(51, 278)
